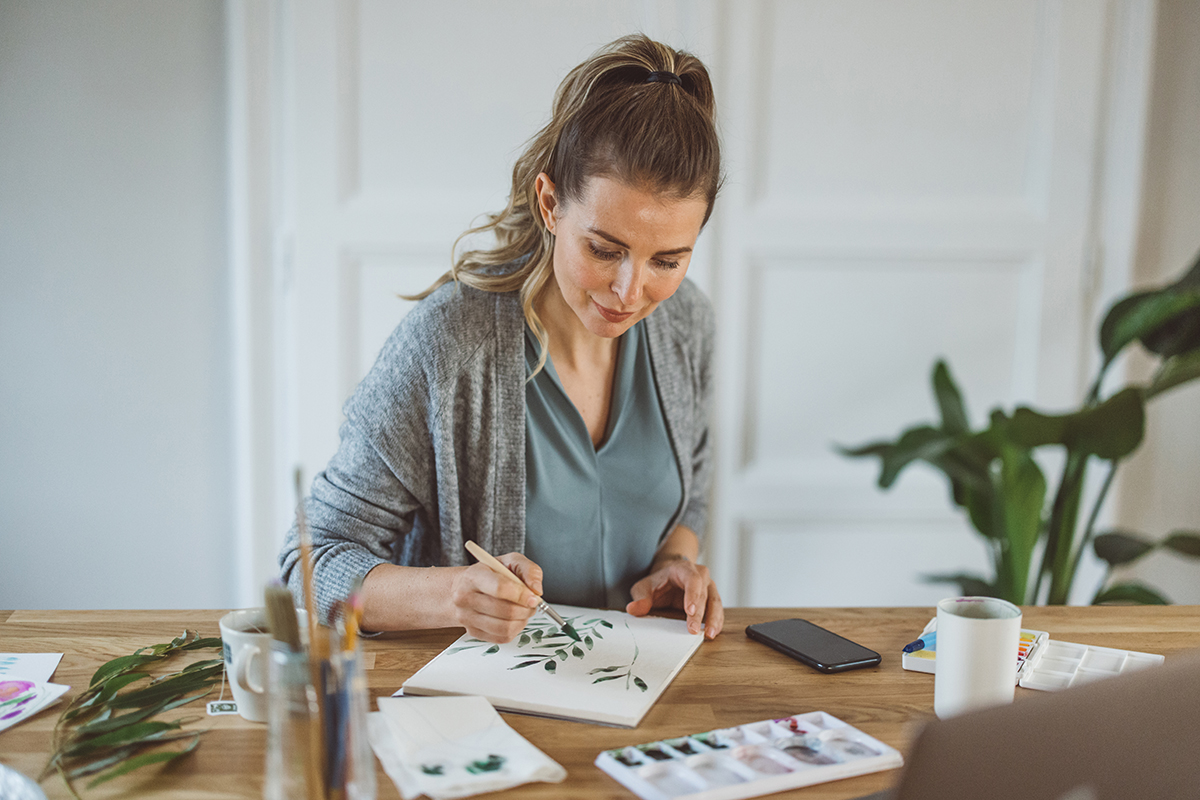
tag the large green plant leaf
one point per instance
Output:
(1175, 371)
(1024, 498)
(950, 401)
(1130, 593)
(1110, 430)
(1166, 321)
(1119, 547)
(1186, 543)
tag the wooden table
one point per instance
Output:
(729, 681)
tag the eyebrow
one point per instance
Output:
(674, 252)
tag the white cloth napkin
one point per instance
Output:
(448, 747)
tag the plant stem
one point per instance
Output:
(1061, 530)
(1090, 530)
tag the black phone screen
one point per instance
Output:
(813, 645)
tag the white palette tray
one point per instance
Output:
(749, 760)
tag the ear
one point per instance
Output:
(547, 201)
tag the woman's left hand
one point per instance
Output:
(681, 583)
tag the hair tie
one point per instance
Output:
(664, 77)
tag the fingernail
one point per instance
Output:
(691, 609)
(711, 633)
(532, 602)
(693, 627)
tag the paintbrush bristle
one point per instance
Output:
(281, 613)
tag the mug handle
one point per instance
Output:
(243, 660)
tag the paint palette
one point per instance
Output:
(1044, 664)
(1057, 665)
(749, 760)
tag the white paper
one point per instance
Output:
(977, 643)
(21, 699)
(450, 747)
(37, 667)
(612, 677)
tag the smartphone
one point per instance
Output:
(813, 645)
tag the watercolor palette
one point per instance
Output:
(1044, 664)
(1058, 665)
(749, 760)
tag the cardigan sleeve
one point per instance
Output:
(360, 515)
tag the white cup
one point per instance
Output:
(976, 663)
(246, 643)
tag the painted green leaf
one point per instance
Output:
(638, 682)
(1118, 547)
(144, 760)
(577, 651)
(525, 664)
(562, 655)
(1185, 543)
(606, 623)
(587, 640)
(523, 640)
(551, 665)
(609, 678)
(1130, 593)
(491, 650)
(604, 669)
(537, 636)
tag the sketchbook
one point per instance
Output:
(612, 677)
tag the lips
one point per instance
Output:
(610, 315)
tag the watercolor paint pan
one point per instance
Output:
(1045, 664)
(748, 760)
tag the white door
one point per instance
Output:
(905, 181)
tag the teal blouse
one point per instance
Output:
(594, 516)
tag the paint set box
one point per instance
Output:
(1044, 664)
(749, 760)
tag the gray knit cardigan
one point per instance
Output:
(433, 447)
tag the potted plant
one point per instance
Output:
(995, 478)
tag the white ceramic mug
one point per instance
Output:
(246, 643)
(976, 664)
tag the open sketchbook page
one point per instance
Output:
(612, 677)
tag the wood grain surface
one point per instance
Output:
(729, 681)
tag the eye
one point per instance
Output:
(664, 263)
(605, 255)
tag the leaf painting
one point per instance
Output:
(616, 670)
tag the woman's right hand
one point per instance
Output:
(490, 606)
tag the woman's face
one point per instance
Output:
(619, 250)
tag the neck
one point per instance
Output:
(572, 346)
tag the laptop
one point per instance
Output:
(1132, 737)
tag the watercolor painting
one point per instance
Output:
(612, 676)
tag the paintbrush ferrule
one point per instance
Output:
(545, 608)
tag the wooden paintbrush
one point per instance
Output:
(318, 655)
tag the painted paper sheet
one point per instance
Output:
(612, 676)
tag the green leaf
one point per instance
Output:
(606, 623)
(609, 678)
(604, 669)
(949, 401)
(91, 768)
(130, 734)
(137, 762)
(1111, 430)
(170, 687)
(1159, 319)
(120, 665)
(203, 665)
(492, 650)
(1024, 497)
(1185, 543)
(199, 644)
(638, 682)
(1118, 547)
(524, 640)
(562, 654)
(525, 664)
(1174, 371)
(551, 665)
(1130, 593)
(537, 636)
(587, 640)
(577, 651)
(969, 585)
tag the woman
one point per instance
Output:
(548, 397)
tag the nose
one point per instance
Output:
(629, 281)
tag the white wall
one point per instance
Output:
(1161, 484)
(114, 429)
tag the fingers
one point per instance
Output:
(490, 606)
(685, 585)
(524, 569)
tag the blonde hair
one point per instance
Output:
(609, 120)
